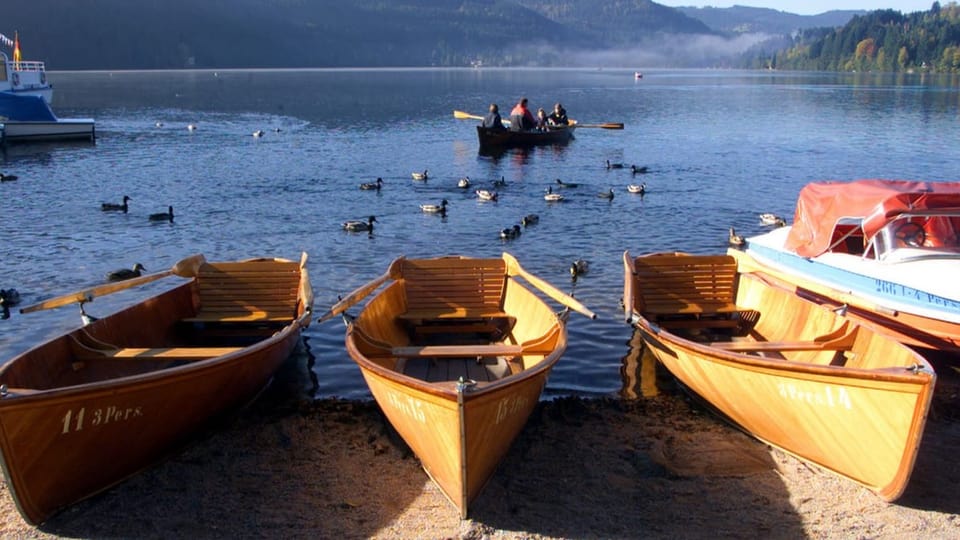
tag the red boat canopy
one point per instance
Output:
(869, 203)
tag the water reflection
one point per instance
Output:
(638, 370)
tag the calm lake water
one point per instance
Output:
(721, 147)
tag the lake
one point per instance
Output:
(721, 147)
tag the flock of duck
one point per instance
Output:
(125, 207)
(366, 225)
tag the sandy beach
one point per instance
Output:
(660, 467)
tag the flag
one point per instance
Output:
(6, 41)
(16, 49)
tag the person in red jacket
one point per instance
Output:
(521, 118)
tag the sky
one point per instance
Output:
(812, 7)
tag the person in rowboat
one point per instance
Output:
(559, 116)
(541, 119)
(492, 119)
(521, 119)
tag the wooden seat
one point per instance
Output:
(453, 289)
(689, 291)
(250, 291)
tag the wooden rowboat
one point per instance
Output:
(792, 373)
(505, 138)
(456, 352)
(87, 409)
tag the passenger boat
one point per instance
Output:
(491, 138)
(87, 409)
(456, 352)
(887, 250)
(25, 113)
(794, 374)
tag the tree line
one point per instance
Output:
(882, 40)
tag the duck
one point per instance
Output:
(551, 196)
(500, 183)
(435, 208)
(191, 127)
(9, 297)
(735, 239)
(125, 273)
(110, 207)
(486, 195)
(7, 177)
(637, 188)
(159, 124)
(163, 216)
(529, 219)
(563, 184)
(359, 226)
(606, 194)
(421, 176)
(638, 170)
(579, 267)
(767, 218)
(614, 165)
(464, 182)
(257, 134)
(511, 233)
(372, 185)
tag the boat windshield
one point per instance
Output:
(917, 236)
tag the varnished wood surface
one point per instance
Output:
(87, 409)
(445, 320)
(854, 404)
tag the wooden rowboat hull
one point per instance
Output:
(78, 417)
(857, 409)
(458, 413)
(498, 138)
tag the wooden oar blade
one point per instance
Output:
(187, 267)
(608, 125)
(514, 269)
(461, 115)
(87, 295)
(361, 292)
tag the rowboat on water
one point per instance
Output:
(888, 250)
(87, 409)
(456, 352)
(491, 138)
(794, 374)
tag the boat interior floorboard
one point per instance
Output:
(452, 369)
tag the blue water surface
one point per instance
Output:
(721, 147)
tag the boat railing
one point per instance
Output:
(29, 65)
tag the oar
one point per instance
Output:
(362, 292)
(514, 269)
(185, 268)
(460, 115)
(607, 125)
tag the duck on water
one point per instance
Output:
(163, 216)
(359, 225)
(114, 207)
(125, 273)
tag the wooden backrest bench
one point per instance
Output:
(688, 291)
(251, 291)
(453, 288)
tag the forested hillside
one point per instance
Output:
(165, 34)
(883, 40)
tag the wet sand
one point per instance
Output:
(659, 467)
